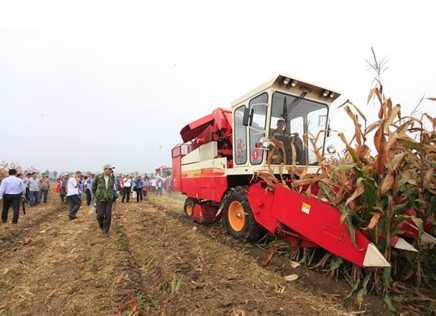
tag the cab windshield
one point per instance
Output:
(291, 118)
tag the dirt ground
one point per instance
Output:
(154, 262)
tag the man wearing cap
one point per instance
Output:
(12, 190)
(102, 187)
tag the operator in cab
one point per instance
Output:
(279, 133)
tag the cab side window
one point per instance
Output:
(240, 137)
(258, 106)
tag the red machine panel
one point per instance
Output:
(320, 223)
(204, 187)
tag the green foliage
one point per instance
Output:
(377, 190)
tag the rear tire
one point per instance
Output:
(189, 206)
(239, 219)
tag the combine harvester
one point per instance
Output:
(221, 153)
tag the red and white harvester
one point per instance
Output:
(214, 168)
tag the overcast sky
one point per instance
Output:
(85, 83)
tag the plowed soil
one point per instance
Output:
(154, 262)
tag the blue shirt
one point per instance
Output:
(139, 183)
(12, 185)
(90, 182)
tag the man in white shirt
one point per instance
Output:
(73, 194)
(127, 189)
(12, 189)
(34, 190)
(26, 182)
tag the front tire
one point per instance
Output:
(239, 219)
(189, 206)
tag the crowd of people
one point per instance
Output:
(17, 188)
(125, 187)
(100, 191)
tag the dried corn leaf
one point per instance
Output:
(350, 149)
(386, 184)
(409, 143)
(431, 119)
(132, 305)
(302, 172)
(360, 189)
(428, 178)
(388, 105)
(395, 162)
(357, 127)
(392, 140)
(304, 182)
(362, 151)
(370, 95)
(267, 259)
(394, 113)
(358, 111)
(291, 277)
(378, 93)
(379, 143)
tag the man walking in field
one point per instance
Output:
(87, 185)
(34, 193)
(12, 190)
(63, 187)
(102, 188)
(139, 184)
(44, 186)
(26, 182)
(73, 194)
(127, 187)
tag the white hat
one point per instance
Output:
(108, 167)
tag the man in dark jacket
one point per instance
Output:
(139, 184)
(102, 187)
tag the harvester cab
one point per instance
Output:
(278, 115)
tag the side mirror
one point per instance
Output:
(264, 142)
(331, 149)
(246, 120)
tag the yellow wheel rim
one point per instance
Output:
(189, 209)
(236, 216)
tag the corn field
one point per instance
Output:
(377, 191)
(5, 166)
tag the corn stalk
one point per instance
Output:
(386, 169)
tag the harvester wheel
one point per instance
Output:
(239, 219)
(188, 208)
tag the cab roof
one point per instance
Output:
(292, 85)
